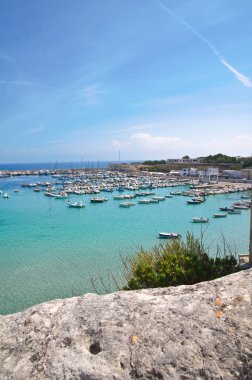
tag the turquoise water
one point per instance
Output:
(49, 251)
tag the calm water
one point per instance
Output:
(49, 251)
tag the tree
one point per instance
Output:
(186, 158)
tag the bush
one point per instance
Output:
(175, 263)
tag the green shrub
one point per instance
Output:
(175, 263)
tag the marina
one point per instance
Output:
(48, 251)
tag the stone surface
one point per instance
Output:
(188, 332)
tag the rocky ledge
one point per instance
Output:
(202, 331)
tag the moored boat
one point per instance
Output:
(126, 204)
(219, 215)
(98, 200)
(144, 201)
(79, 204)
(169, 235)
(234, 212)
(200, 220)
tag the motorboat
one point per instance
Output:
(154, 200)
(126, 204)
(219, 215)
(79, 204)
(234, 212)
(6, 195)
(158, 198)
(200, 220)
(240, 206)
(98, 200)
(169, 235)
(225, 208)
(193, 201)
(144, 201)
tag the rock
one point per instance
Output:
(196, 332)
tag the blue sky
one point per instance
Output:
(153, 79)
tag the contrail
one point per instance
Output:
(242, 78)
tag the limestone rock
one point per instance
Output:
(196, 332)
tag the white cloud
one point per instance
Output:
(155, 141)
(120, 144)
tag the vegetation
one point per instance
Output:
(247, 162)
(175, 263)
(220, 158)
(155, 162)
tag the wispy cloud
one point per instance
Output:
(92, 94)
(146, 138)
(36, 130)
(7, 58)
(241, 77)
(26, 84)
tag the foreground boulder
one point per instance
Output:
(202, 331)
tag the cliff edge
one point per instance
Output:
(202, 331)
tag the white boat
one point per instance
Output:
(240, 206)
(193, 202)
(144, 201)
(60, 196)
(98, 200)
(6, 195)
(219, 215)
(235, 212)
(200, 220)
(169, 235)
(79, 204)
(152, 200)
(158, 198)
(126, 204)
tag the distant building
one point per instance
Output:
(123, 167)
(235, 174)
(182, 160)
(210, 174)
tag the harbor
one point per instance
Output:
(50, 249)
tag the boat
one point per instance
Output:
(240, 206)
(16, 191)
(144, 201)
(98, 200)
(158, 198)
(6, 195)
(234, 212)
(126, 204)
(169, 235)
(193, 201)
(60, 196)
(219, 215)
(79, 204)
(225, 208)
(200, 220)
(153, 200)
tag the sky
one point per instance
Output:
(151, 79)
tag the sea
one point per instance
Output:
(50, 251)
